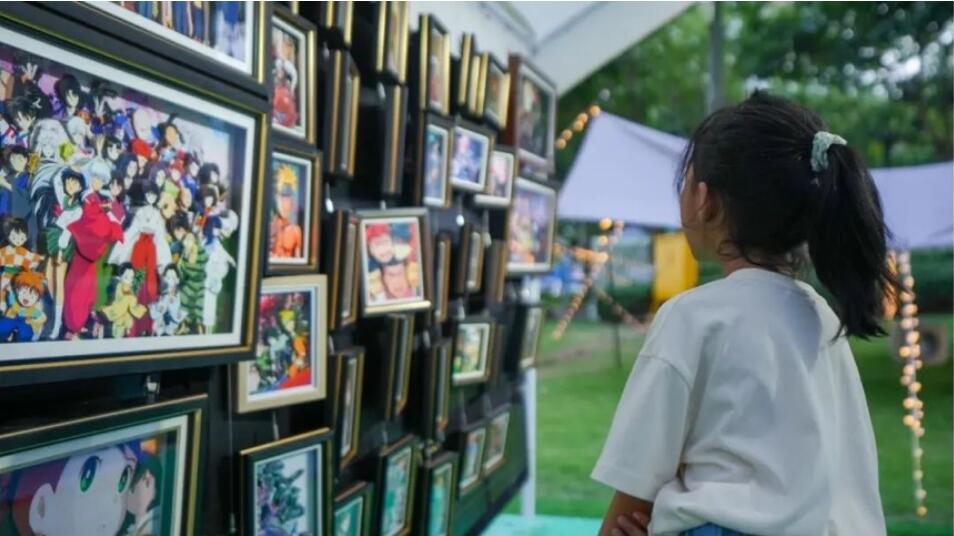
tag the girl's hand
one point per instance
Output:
(636, 524)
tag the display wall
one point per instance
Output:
(262, 269)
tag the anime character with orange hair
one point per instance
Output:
(24, 318)
(285, 235)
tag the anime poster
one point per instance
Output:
(470, 352)
(438, 511)
(392, 264)
(397, 484)
(289, 365)
(349, 518)
(290, 79)
(124, 209)
(531, 228)
(290, 225)
(222, 31)
(436, 153)
(496, 441)
(436, 70)
(534, 105)
(288, 494)
(472, 458)
(469, 163)
(125, 482)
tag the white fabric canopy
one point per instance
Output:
(625, 171)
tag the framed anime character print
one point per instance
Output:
(531, 227)
(349, 387)
(438, 385)
(395, 261)
(532, 122)
(353, 510)
(494, 91)
(130, 470)
(287, 485)
(435, 145)
(470, 157)
(292, 77)
(433, 66)
(290, 355)
(438, 490)
(501, 173)
(472, 443)
(295, 216)
(397, 468)
(155, 261)
(472, 342)
(343, 262)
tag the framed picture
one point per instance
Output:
(473, 441)
(291, 354)
(230, 34)
(532, 326)
(475, 261)
(471, 157)
(395, 125)
(293, 226)
(397, 465)
(437, 399)
(292, 79)
(342, 268)
(495, 91)
(178, 280)
(392, 48)
(465, 83)
(438, 487)
(532, 124)
(342, 96)
(399, 363)
(502, 174)
(349, 386)
(497, 434)
(433, 169)
(286, 485)
(434, 65)
(530, 228)
(336, 18)
(134, 470)
(353, 508)
(394, 260)
(471, 351)
(442, 270)
(496, 267)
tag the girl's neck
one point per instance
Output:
(737, 263)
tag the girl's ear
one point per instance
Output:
(710, 204)
(40, 507)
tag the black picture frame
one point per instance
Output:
(492, 199)
(494, 111)
(437, 389)
(471, 436)
(401, 348)
(293, 155)
(346, 362)
(443, 255)
(427, 96)
(517, 228)
(287, 21)
(342, 96)
(538, 163)
(481, 374)
(471, 130)
(493, 461)
(441, 130)
(361, 493)
(442, 465)
(406, 448)
(342, 263)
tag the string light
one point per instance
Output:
(910, 352)
(580, 122)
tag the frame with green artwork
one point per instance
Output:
(397, 470)
(471, 445)
(438, 493)
(353, 510)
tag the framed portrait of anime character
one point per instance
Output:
(397, 468)
(498, 428)
(532, 123)
(472, 442)
(292, 77)
(530, 228)
(291, 350)
(137, 240)
(349, 387)
(395, 261)
(353, 510)
(501, 173)
(130, 471)
(434, 148)
(287, 485)
(470, 157)
(295, 216)
(343, 261)
(472, 342)
(438, 489)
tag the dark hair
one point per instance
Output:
(20, 105)
(113, 141)
(12, 224)
(75, 175)
(65, 85)
(11, 150)
(756, 157)
(179, 220)
(205, 173)
(122, 164)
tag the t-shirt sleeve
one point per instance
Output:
(644, 445)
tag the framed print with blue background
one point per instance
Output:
(353, 510)
(470, 157)
(160, 259)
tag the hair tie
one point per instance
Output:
(820, 144)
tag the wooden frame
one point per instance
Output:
(375, 300)
(344, 263)
(461, 375)
(360, 495)
(434, 146)
(437, 389)
(401, 346)
(501, 174)
(440, 471)
(342, 98)
(461, 162)
(318, 444)
(530, 339)
(279, 342)
(494, 81)
(241, 125)
(475, 261)
(472, 441)
(520, 228)
(534, 162)
(309, 228)
(405, 449)
(391, 55)
(496, 267)
(433, 87)
(468, 66)
(349, 367)
(395, 125)
(443, 249)
(29, 456)
(497, 423)
(303, 74)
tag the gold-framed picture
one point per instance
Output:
(401, 346)
(342, 265)
(473, 339)
(349, 391)
(294, 223)
(395, 260)
(498, 432)
(292, 78)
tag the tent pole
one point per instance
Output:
(617, 350)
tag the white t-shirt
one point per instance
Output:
(741, 411)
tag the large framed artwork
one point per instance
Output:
(353, 509)
(342, 266)
(531, 227)
(395, 261)
(470, 157)
(532, 123)
(433, 66)
(438, 489)
(530, 341)
(397, 467)
(287, 486)
(498, 428)
(290, 355)
(432, 182)
(131, 471)
(292, 78)
(349, 387)
(472, 342)
(501, 174)
(160, 256)
(294, 220)
(472, 443)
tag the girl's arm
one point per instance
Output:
(625, 506)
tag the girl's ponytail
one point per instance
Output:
(847, 239)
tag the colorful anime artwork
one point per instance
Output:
(436, 156)
(287, 493)
(124, 209)
(471, 346)
(470, 160)
(290, 225)
(531, 228)
(291, 78)
(125, 482)
(222, 31)
(393, 264)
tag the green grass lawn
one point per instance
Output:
(579, 385)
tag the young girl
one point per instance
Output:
(744, 413)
